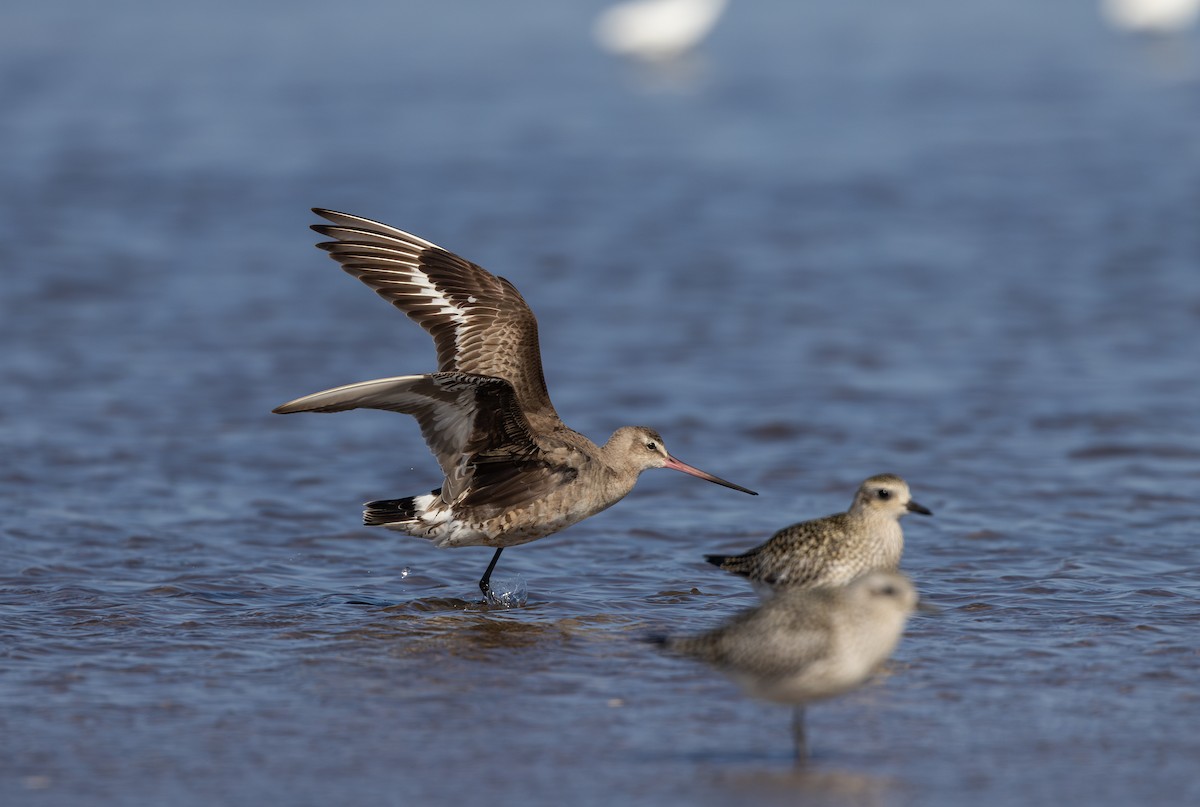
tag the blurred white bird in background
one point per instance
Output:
(657, 30)
(1158, 17)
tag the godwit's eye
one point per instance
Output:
(884, 494)
(652, 446)
(888, 591)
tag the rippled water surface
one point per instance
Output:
(959, 242)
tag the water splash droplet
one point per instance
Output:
(508, 592)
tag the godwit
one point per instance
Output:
(834, 550)
(804, 645)
(513, 471)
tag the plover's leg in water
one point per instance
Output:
(798, 736)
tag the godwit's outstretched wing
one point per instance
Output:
(473, 426)
(479, 322)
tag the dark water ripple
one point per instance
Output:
(947, 240)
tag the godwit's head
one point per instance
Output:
(885, 495)
(639, 448)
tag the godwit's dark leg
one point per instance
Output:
(798, 736)
(485, 581)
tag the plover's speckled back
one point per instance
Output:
(803, 645)
(834, 550)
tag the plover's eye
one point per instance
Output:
(884, 493)
(888, 591)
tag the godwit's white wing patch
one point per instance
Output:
(397, 276)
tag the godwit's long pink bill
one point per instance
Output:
(677, 465)
(513, 472)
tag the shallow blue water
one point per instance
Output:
(958, 243)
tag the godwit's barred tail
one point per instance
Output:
(834, 550)
(513, 472)
(805, 645)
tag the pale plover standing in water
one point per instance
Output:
(513, 471)
(834, 550)
(804, 645)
